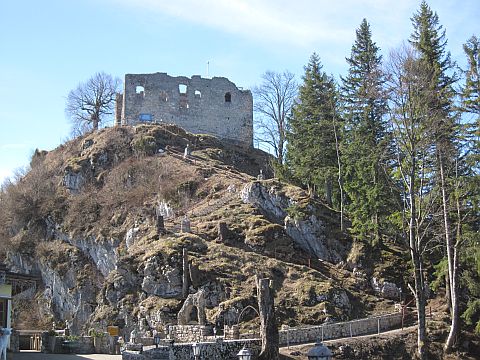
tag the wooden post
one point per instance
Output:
(185, 276)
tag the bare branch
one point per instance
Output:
(274, 99)
(91, 103)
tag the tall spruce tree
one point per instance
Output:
(311, 152)
(471, 94)
(471, 90)
(471, 253)
(366, 145)
(428, 38)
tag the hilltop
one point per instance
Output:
(84, 218)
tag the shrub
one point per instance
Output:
(144, 145)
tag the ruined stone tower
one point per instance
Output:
(202, 106)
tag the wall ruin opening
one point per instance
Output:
(182, 89)
(228, 97)
(140, 90)
(198, 94)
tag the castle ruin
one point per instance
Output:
(202, 106)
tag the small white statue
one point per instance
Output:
(4, 336)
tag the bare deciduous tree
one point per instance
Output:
(274, 99)
(92, 102)
(408, 84)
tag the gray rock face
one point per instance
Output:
(267, 199)
(103, 253)
(73, 181)
(166, 283)
(386, 289)
(64, 296)
(310, 234)
(131, 236)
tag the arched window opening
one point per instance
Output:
(198, 94)
(228, 97)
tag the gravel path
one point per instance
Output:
(40, 356)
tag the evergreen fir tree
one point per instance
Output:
(471, 90)
(311, 152)
(471, 252)
(471, 96)
(366, 145)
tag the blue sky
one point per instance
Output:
(47, 47)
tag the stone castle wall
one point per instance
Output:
(201, 106)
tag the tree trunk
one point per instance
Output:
(339, 177)
(328, 190)
(452, 257)
(268, 324)
(448, 292)
(417, 264)
(95, 121)
(280, 148)
(420, 303)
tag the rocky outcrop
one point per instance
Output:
(386, 289)
(196, 300)
(310, 232)
(310, 235)
(102, 252)
(161, 279)
(131, 236)
(73, 181)
(67, 293)
(269, 200)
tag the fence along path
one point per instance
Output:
(360, 327)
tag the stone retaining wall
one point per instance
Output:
(220, 350)
(341, 329)
(185, 333)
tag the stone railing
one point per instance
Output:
(338, 330)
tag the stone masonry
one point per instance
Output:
(202, 106)
(338, 330)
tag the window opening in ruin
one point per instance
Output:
(140, 90)
(145, 117)
(228, 97)
(198, 94)
(182, 88)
